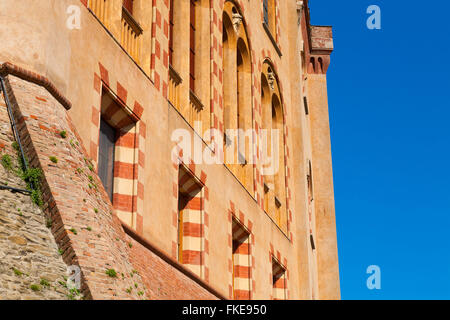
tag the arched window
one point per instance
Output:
(237, 81)
(274, 147)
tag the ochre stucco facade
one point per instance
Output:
(246, 234)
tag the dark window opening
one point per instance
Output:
(192, 47)
(241, 262)
(305, 102)
(313, 245)
(189, 204)
(171, 25)
(107, 141)
(183, 200)
(266, 11)
(278, 280)
(128, 4)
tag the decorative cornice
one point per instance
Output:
(321, 40)
(317, 43)
(24, 74)
(132, 21)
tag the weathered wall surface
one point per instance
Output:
(163, 281)
(327, 257)
(81, 215)
(28, 251)
(84, 230)
(80, 61)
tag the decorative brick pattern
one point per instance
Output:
(280, 275)
(192, 221)
(83, 223)
(241, 262)
(216, 102)
(279, 281)
(129, 163)
(259, 178)
(160, 46)
(190, 181)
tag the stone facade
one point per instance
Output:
(28, 251)
(150, 69)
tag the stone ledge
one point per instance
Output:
(12, 69)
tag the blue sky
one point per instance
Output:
(390, 128)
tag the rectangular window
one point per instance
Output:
(241, 260)
(278, 211)
(182, 204)
(107, 141)
(192, 47)
(171, 25)
(279, 280)
(190, 221)
(305, 102)
(117, 159)
(128, 4)
(266, 198)
(266, 11)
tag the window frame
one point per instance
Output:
(110, 161)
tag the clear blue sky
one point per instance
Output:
(390, 129)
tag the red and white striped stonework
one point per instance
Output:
(241, 262)
(114, 107)
(279, 276)
(267, 59)
(191, 197)
(279, 280)
(277, 18)
(277, 22)
(191, 221)
(159, 64)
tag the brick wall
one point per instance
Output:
(84, 226)
(162, 280)
(28, 251)
(83, 222)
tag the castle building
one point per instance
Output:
(184, 145)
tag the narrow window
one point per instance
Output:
(227, 82)
(192, 47)
(279, 280)
(190, 221)
(272, 17)
(171, 25)
(309, 179)
(107, 141)
(241, 262)
(239, 63)
(240, 112)
(269, 8)
(182, 203)
(128, 4)
(266, 11)
(305, 102)
(266, 197)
